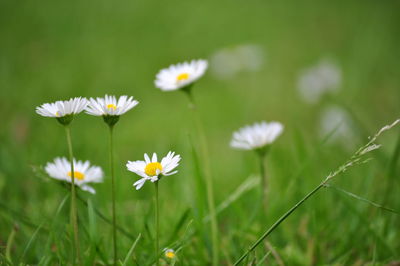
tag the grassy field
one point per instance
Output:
(52, 50)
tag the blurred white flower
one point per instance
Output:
(61, 109)
(314, 82)
(110, 106)
(169, 253)
(180, 75)
(83, 173)
(256, 136)
(228, 62)
(336, 123)
(152, 169)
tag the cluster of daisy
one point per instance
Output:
(64, 111)
(257, 137)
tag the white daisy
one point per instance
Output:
(314, 82)
(110, 106)
(180, 75)
(60, 109)
(83, 173)
(256, 136)
(169, 253)
(152, 169)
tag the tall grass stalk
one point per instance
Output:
(114, 222)
(356, 159)
(207, 174)
(74, 216)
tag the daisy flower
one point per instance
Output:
(63, 110)
(152, 169)
(314, 82)
(109, 105)
(110, 108)
(83, 173)
(256, 136)
(169, 253)
(180, 75)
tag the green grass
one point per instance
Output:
(53, 50)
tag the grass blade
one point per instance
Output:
(263, 259)
(247, 185)
(10, 242)
(31, 241)
(361, 199)
(129, 255)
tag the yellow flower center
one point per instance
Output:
(182, 77)
(151, 168)
(111, 106)
(77, 175)
(170, 254)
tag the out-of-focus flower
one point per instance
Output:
(169, 253)
(152, 169)
(180, 75)
(256, 136)
(228, 62)
(83, 173)
(336, 123)
(314, 82)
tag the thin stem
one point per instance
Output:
(264, 182)
(113, 195)
(74, 216)
(279, 221)
(157, 224)
(208, 179)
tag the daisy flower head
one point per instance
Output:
(110, 108)
(181, 75)
(84, 173)
(257, 136)
(153, 170)
(169, 253)
(63, 110)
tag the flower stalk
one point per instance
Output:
(114, 222)
(263, 181)
(73, 214)
(157, 246)
(207, 175)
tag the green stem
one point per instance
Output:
(263, 183)
(279, 221)
(74, 216)
(157, 251)
(113, 195)
(208, 179)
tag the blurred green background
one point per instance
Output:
(52, 50)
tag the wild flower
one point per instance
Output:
(63, 110)
(180, 75)
(323, 78)
(152, 170)
(257, 136)
(110, 108)
(84, 173)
